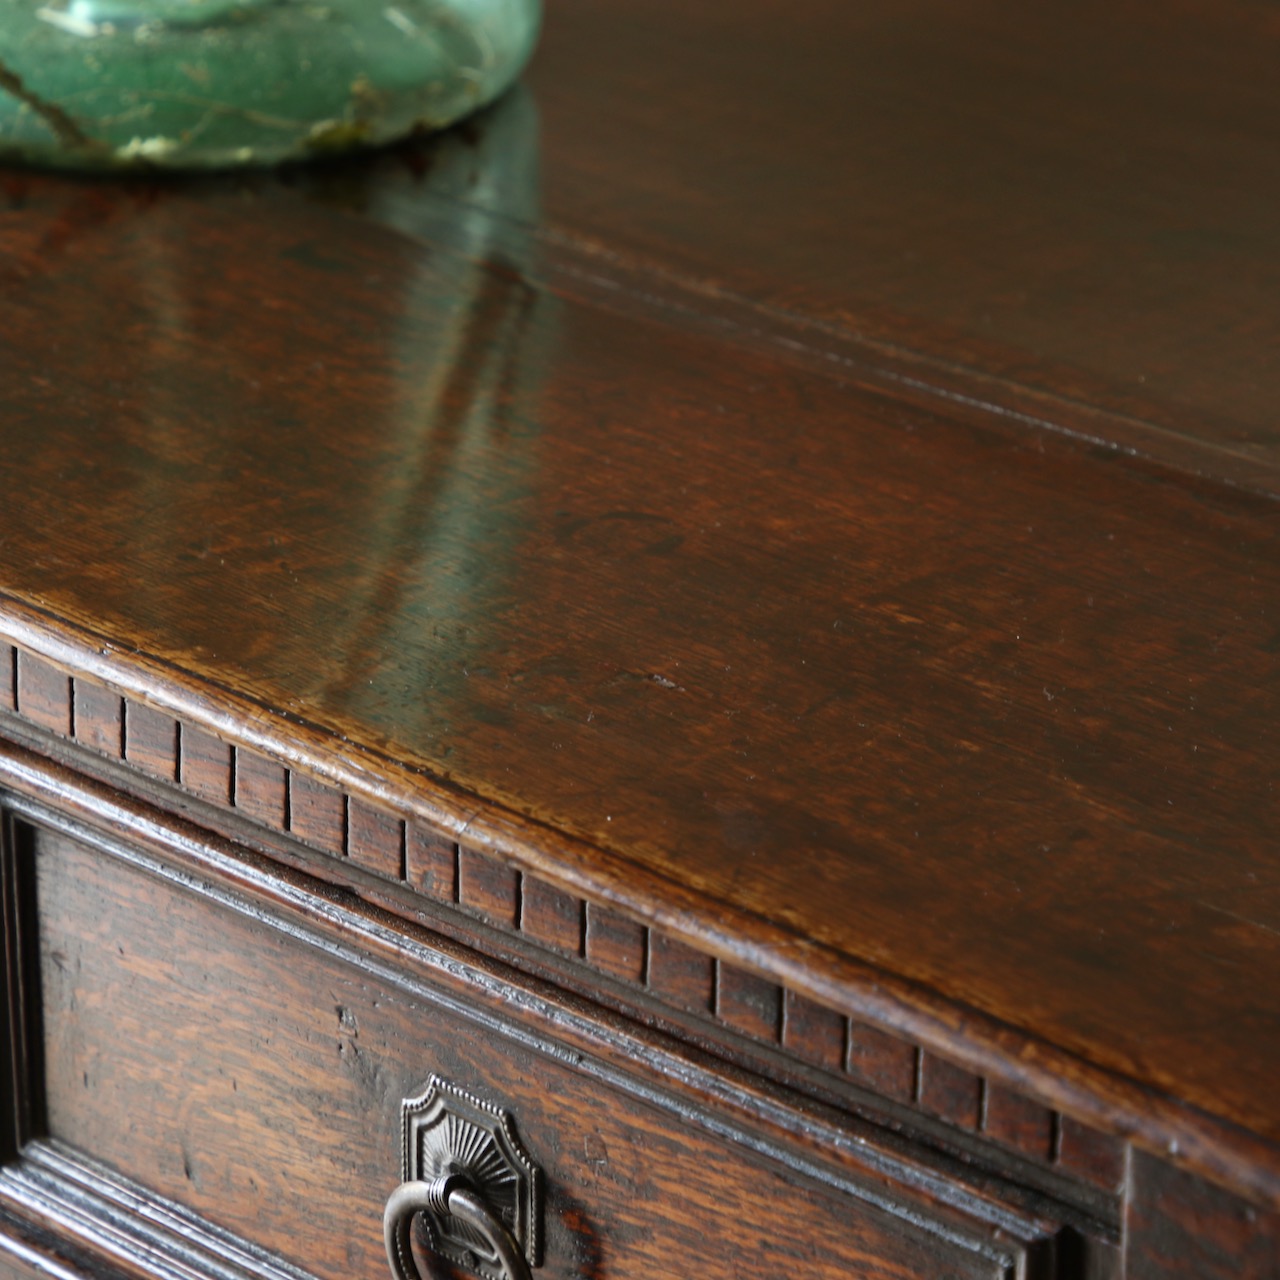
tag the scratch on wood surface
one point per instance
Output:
(1256, 924)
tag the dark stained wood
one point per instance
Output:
(261, 790)
(766, 479)
(431, 863)
(44, 693)
(917, 707)
(684, 534)
(645, 1058)
(680, 974)
(317, 813)
(151, 741)
(205, 764)
(810, 1031)
(375, 839)
(273, 1109)
(1063, 217)
(748, 1003)
(882, 1062)
(1179, 1228)
(1015, 1120)
(814, 1033)
(1097, 1156)
(489, 887)
(949, 1091)
(551, 916)
(98, 717)
(615, 944)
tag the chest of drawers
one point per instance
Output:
(699, 653)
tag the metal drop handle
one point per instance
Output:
(452, 1195)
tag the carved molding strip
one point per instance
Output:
(346, 826)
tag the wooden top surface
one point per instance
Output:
(867, 685)
(1068, 213)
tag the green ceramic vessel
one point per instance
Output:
(196, 84)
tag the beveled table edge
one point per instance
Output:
(1212, 1146)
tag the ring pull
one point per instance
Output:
(466, 1177)
(450, 1196)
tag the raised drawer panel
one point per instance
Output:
(208, 1053)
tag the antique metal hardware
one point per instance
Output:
(466, 1172)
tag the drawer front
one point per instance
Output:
(229, 1055)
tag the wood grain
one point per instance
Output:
(1017, 1121)
(29, 1251)
(44, 693)
(489, 887)
(1177, 1227)
(261, 789)
(616, 944)
(1097, 1156)
(949, 1091)
(680, 973)
(432, 866)
(937, 184)
(151, 741)
(274, 1110)
(748, 1003)
(375, 839)
(882, 1062)
(98, 715)
(317, 813)
(745, 1005)
(551, 916)
(813, 1032)
(206, 765)
(901, 708)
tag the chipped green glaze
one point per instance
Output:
(101, 84)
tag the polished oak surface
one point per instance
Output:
(1069, 210)
(836, 680)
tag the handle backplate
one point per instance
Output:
(447, 1131)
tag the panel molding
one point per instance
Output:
(82, 1200)
(912, 1184)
